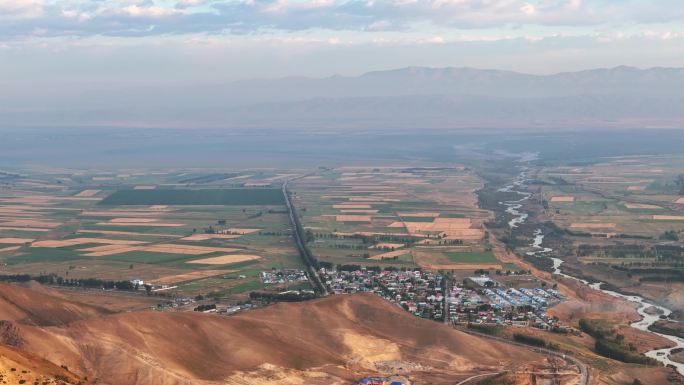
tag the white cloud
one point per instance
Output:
(171, 17)
(20, 9)
(150, 11)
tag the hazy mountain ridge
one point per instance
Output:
(413, 97)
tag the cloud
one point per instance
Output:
(173, 17)
(20, 9)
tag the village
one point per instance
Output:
(476, 300)
(283, 276)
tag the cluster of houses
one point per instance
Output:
(495, 304)
(283, 276)
(419, 292)
(390, 380)
(479, 300)
(139, 284)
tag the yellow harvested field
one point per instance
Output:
(171, 279)
(680, 201)
(641, 206)
(370, 203)
(159, 207)
(204, 237)
(563, 199)
(396, 224)
(225, 259)
(144, 187)
(280, 176)
(668, 217)
(412, 182)
(11, 248)
(15, 241)
(389, 254)
(439, 224)
(101, 251)
(419, 215)
(241, 231)
(101, 178)
(132, 220)
(80, 241)
(30, 223)
(114, 232)
(387, 245)
(372, 199)
(31, 199)
(636, 188)
(185, 249)
(88, 193)
(19, 217)
(18, 214)
(353, 218)
(153, 224)
(459, 223)
(352, 206)
(17, 208)
(114, 213)
(46, 200)
(360, 211)
(29, 229)
(240, 177)
(452, 228)
(592, 225)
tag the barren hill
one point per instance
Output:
(326, 341)
(16, 366)
(33, 304)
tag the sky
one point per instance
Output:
(46, 43)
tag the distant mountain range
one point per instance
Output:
(408, 98)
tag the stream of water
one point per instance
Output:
(514, 207)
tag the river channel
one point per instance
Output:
(519, 216)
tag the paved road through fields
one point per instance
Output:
(299, 240)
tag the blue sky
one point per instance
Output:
(75, 42)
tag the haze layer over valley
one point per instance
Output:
(403, 99)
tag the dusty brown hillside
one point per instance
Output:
(17, 366)
(33, 304)
(332, 340)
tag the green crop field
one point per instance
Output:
(471, 257)
(150, 257)
(236, 196)
(418, 219)
(43, 254)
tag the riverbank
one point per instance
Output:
(516, 209)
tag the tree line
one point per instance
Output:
(90, 283)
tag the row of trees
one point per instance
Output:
(290, 296)
(612, 345)
(90, 283)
